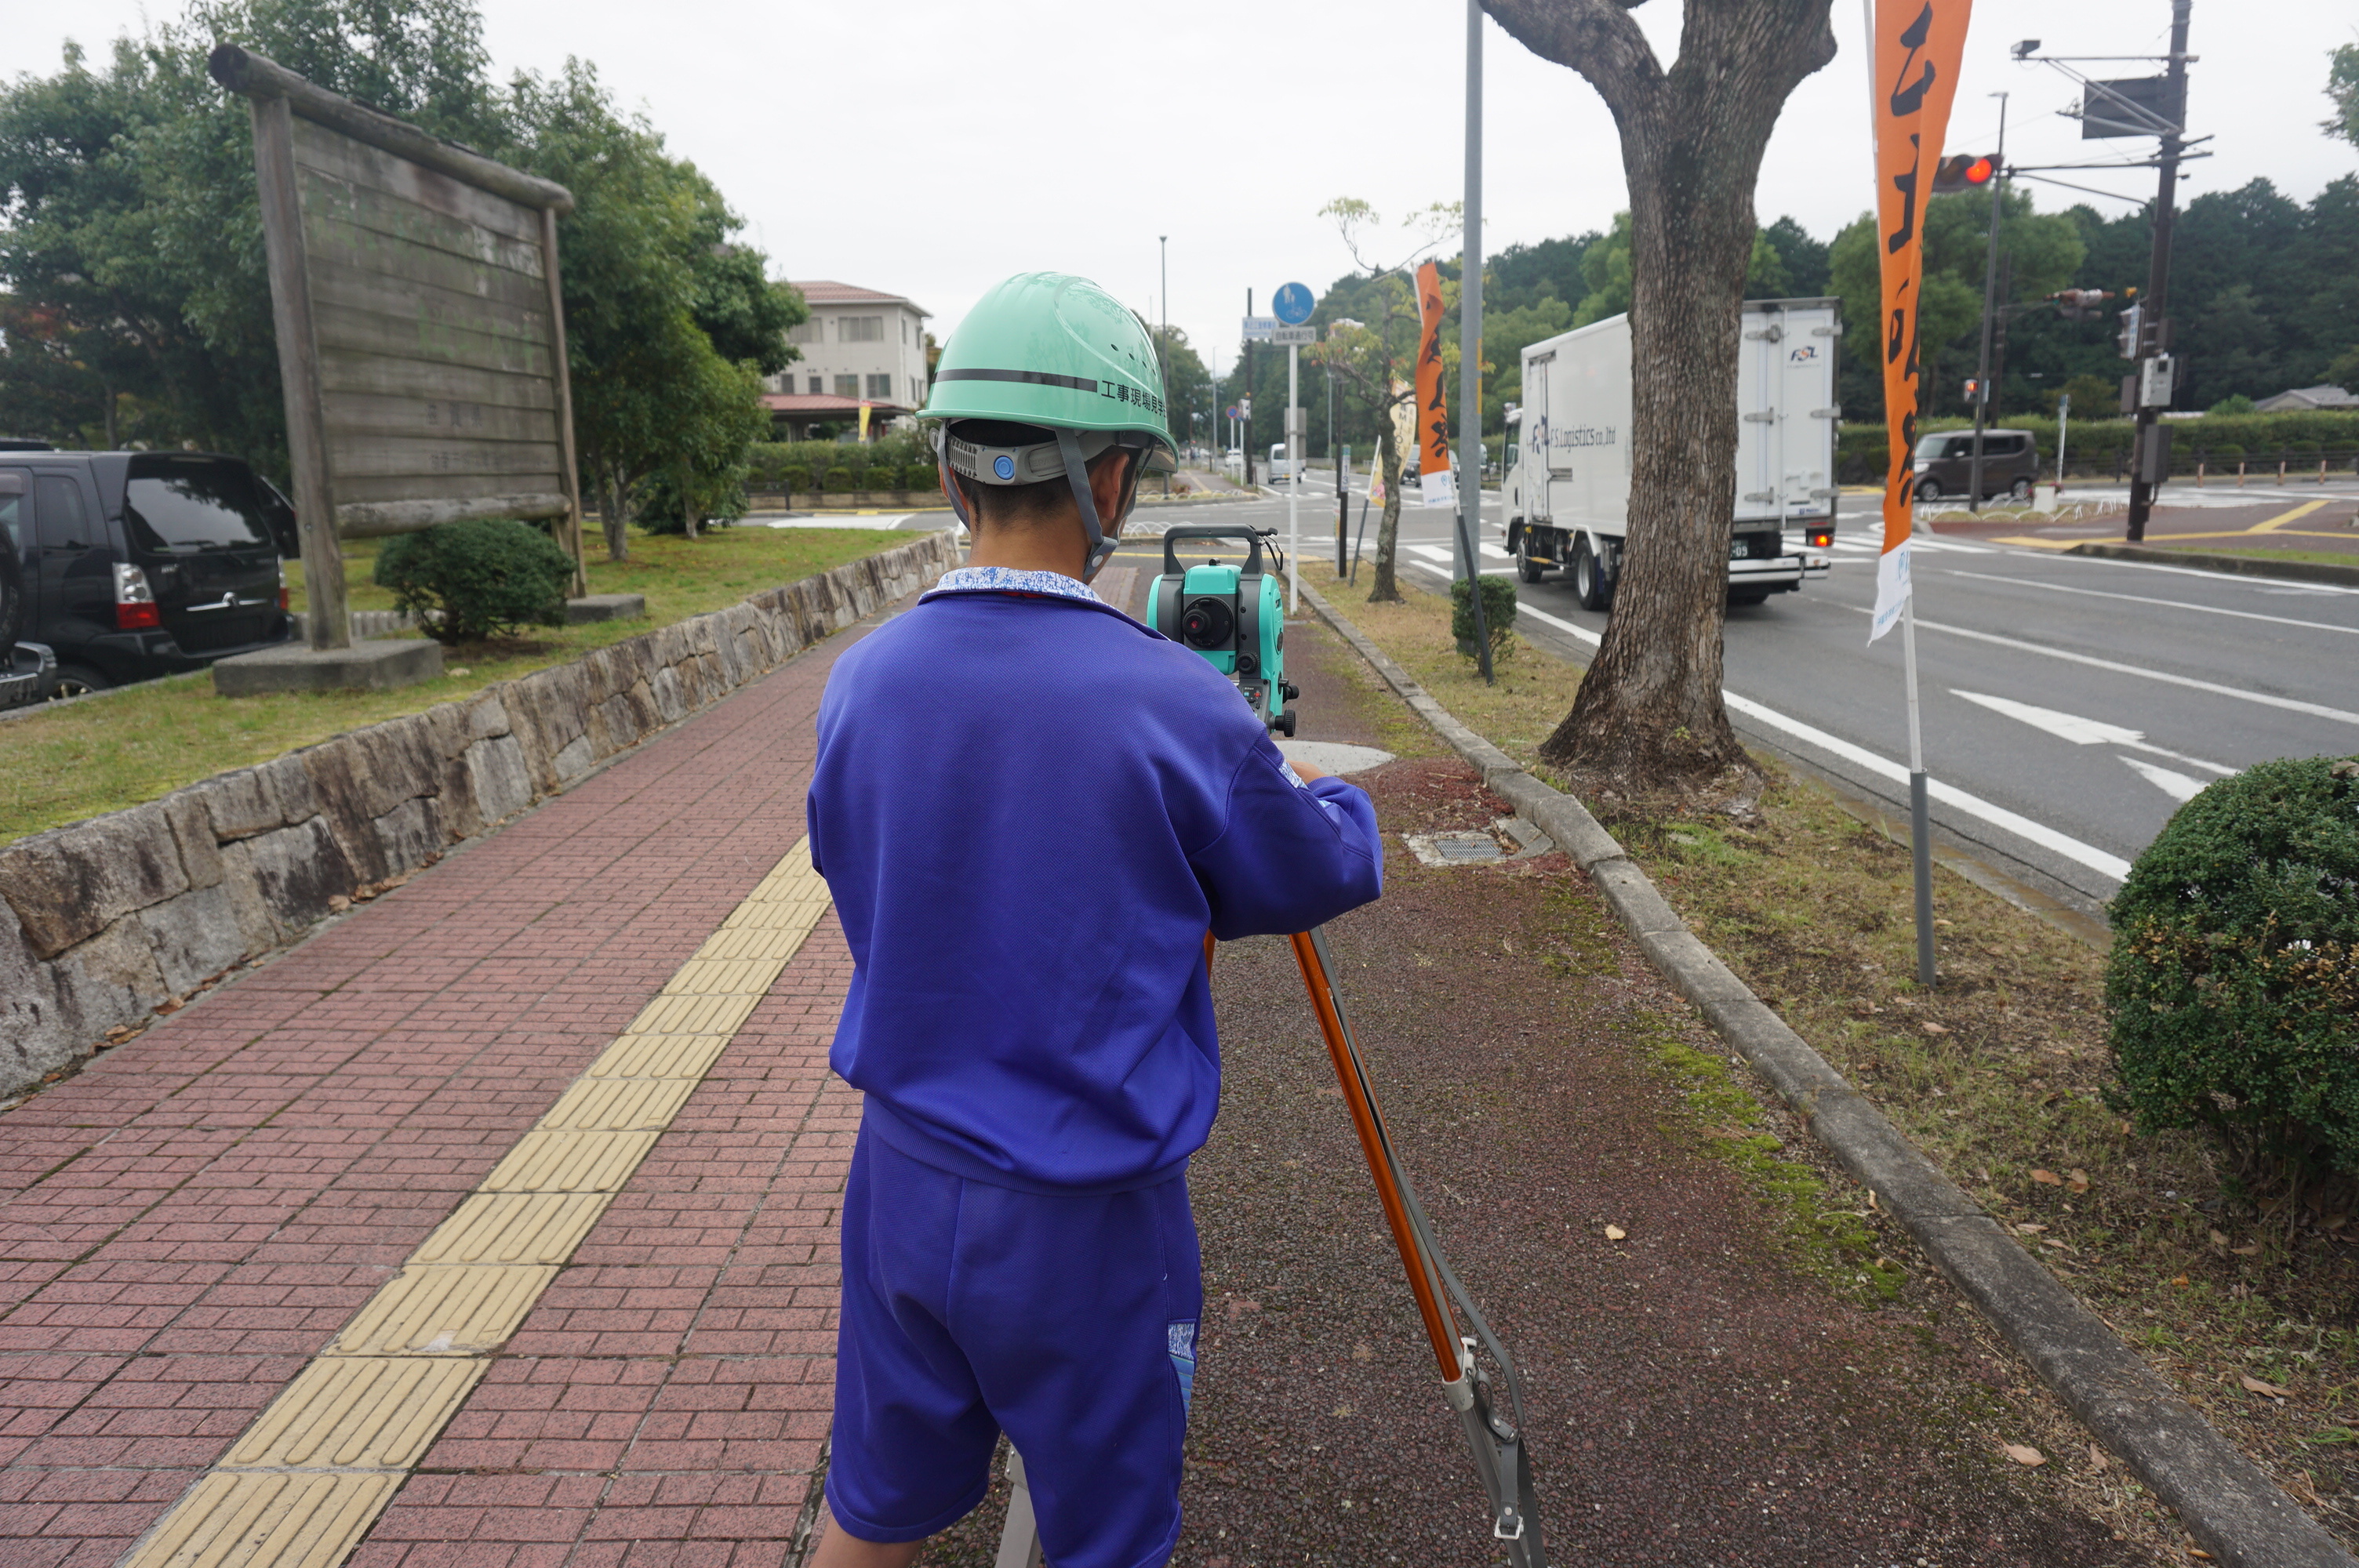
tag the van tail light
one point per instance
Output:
(1823, 538)
(135, 602)
(282, 582)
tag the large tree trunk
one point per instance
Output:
(1382, 588)
(683, 478)
(610, 515)
(1649, 715)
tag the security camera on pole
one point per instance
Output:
(1293, 303)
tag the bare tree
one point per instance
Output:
(1649, 714)
(1375, 360)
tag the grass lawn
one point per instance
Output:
(85, 758)
(2000, 1075)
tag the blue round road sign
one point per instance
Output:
(1233, 411)
(1292, 304)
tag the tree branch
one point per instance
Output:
(1595, 38)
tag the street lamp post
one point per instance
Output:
(1990, 313)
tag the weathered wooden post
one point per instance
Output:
(414, 288)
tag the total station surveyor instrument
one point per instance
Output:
(1230, 614)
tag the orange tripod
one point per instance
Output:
(1500, 1456)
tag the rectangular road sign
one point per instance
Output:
(1259, 328)
(1295, 335)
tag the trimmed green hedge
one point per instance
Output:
(2234, 980)
(467, 581)
(889, 462)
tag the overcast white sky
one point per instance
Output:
(932, 147)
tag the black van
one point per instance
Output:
(1945, 464)
(136, 564)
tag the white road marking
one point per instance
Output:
(1924, 541)
(2291, 705)
(2239, 578)
(2083, 732)
(1998, 817)
(2177, 786)
(2141, 599)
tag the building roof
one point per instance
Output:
(824, 291)
(2307, 397)
(824, 404)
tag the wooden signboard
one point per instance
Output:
(421, 340)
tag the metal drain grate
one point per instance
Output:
(1466, 847)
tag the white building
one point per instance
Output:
(859, 346)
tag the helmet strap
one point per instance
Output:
(1077, 474)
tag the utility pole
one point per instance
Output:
(1990, 313)
(1468, 552)
(1163, 345)
(1244, 404)
(2154, 336)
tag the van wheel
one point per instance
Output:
(2020, 489)
(1929, 490)
(1526, 567)
(80, 680)
(1589, 578)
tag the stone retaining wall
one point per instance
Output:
(127, 915)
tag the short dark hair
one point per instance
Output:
(1016, 504)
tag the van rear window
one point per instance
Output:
(177, 505)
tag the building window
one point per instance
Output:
(860, 328)
(880, 386)
(806, 333)
(847, 386)
(817, 386)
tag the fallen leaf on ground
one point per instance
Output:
(2097, 1458)
(2199, 1552)
(2077, 1179)
(2024, 1453)
(2218, 1240)
(2047, 1178)
(2254, 1385)
(2247, 1251)
(1615, 1233)
(2031, 1229)
(1930, 1027)
(2181, 1282)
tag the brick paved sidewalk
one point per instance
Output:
(193, 1217)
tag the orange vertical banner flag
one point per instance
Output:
(1918, 45)
(1433, 414)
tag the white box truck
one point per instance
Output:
(1567, 489)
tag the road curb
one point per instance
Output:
(2226, 1501)
(2239, 566)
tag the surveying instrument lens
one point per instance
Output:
(1207, 623)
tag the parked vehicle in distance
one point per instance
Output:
(1568, 489)
(136, 565)
(1944, 464)
(1281, 467)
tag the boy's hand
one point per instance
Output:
(1304, 771)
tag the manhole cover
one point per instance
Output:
(1466, 847)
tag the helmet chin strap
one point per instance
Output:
(1077, 474)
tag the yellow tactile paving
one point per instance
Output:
(462, 1310)
(659, 1056)
(249, 1519)
(357, 1412)
(514, 1229)
(686, 1015)
(304, 1482)
(619, 1105)
(569, 1162)
(724, 977)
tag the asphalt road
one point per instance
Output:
(2069, 704)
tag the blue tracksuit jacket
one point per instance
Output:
(1029, 810)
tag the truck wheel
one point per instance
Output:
(1526, 567)
(79, 680)
(1748, 596)
(1929, 490)
(1589, 578)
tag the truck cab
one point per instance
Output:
(1569, 478)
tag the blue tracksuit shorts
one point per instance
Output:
(1068, 1322)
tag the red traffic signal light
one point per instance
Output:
(1963, 171)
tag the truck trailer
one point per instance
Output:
(1568, 491)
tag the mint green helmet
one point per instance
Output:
(1056, 352)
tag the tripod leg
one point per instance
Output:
(1019, 1541)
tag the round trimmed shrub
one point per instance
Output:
(467, 581)
(839, 479)
(2233, 984)
(794, 479)
(1498, 617)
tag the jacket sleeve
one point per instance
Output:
(1291, 856)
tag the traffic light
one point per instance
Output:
(1963, 171)
(2128, 342)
